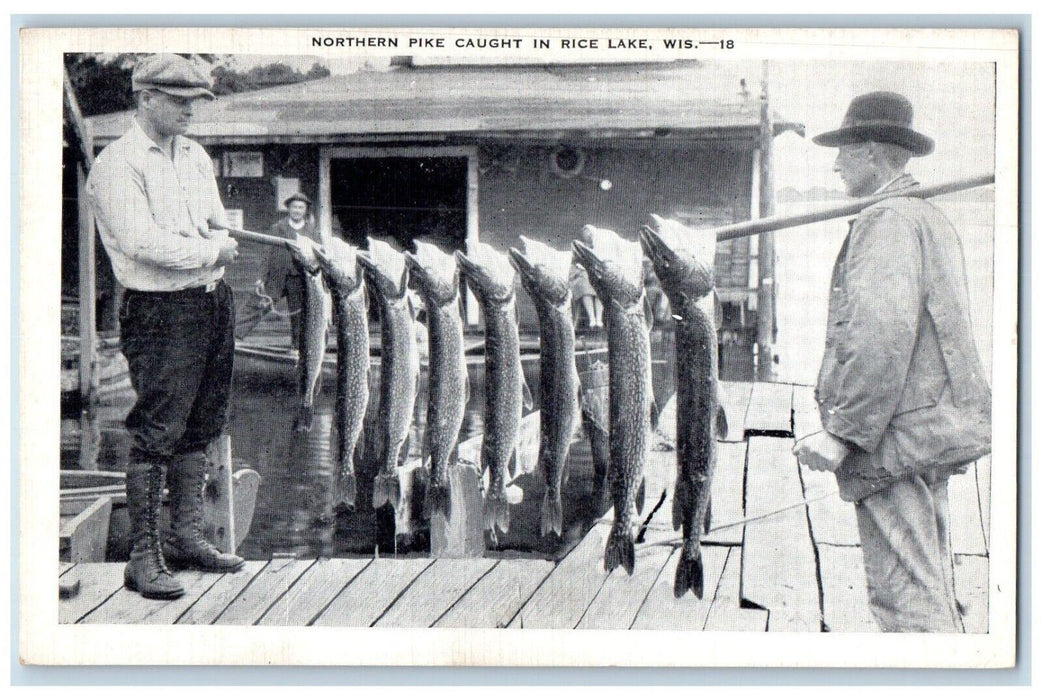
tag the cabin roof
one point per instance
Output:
(678, 99)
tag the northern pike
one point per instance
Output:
(615, 270)
(544, 275)
(490, 276)
(436, 277)
(343, 274)
(387, 277)
(684, 266)
(314, 326)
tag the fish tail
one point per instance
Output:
(619, 550)
(552, 515)
(438, 500)
(642, 493)
(385, 490)
(302, 424)
(347, 489)
(689, 575)
(497, 513)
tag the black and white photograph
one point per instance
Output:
(486, 337)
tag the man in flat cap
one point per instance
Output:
(902, 394)
(155, 199)
(283, 271)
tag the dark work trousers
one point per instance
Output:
(180, 348)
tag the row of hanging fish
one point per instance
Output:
(682, 259)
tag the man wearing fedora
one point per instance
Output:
(901, 391)
(283, 271)
(155, 198)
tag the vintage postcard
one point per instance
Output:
(534, 347)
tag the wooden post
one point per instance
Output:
(765, 296)
(88, 296)
(218, 493)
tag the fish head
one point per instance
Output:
(434, 274)
(384, 268)
(677, 268)
(340, 264)
(543, 273)
(613, 279)
(305, 255)
(488, 273)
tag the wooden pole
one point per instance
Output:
(88, 296)
(854, 206)
(218, 494)
(765, 294)
(262, 238)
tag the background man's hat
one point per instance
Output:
(171, 74)
(296, 197)
(883, 117)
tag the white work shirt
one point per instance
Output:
(144, 200)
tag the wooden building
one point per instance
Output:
(461, 153)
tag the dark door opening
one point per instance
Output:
(400, 198)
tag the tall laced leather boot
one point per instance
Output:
(186, 547)
(146, 571)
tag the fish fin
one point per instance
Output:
(721, 422)
(619, 550)
(708, 521)
(438, 500)
(526, 395)
(690, 577)
(512, 464)
(302, 423)
(642, 492)
(654, 411)
(466, 389)
(649, 312)
(681, 503)
(403, 451)
(552, 515)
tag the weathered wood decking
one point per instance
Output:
(795, 569)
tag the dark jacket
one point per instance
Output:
(901, 380)
(280, 263)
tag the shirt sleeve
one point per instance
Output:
(120, 203)
(883, 290)
(217, 213)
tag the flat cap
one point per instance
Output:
(171, 74)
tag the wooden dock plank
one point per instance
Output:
(726, 613)
(734, 398)
(967, 527)
(984, 496)
(728, 495)
(497, 596)
(832, 520)
(98, 582)
(971, 590)
(212, 603)
(565, 594)
(616, 605)
(779, 572)
(128, 607)
(64, 566)
(770, 409)
(372, 592)
(262, 591)
(435, 591)
(806, 419)
(664, 611)
(319, 585)
(844, 591)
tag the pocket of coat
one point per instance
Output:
(923, 393)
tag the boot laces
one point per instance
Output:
(154, 547)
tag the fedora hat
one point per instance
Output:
(883, 117)
(296, 197)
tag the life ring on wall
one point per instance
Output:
(567, 161)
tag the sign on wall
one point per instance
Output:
(243, 164)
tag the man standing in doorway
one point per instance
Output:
(901, 391)
(154, 196)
